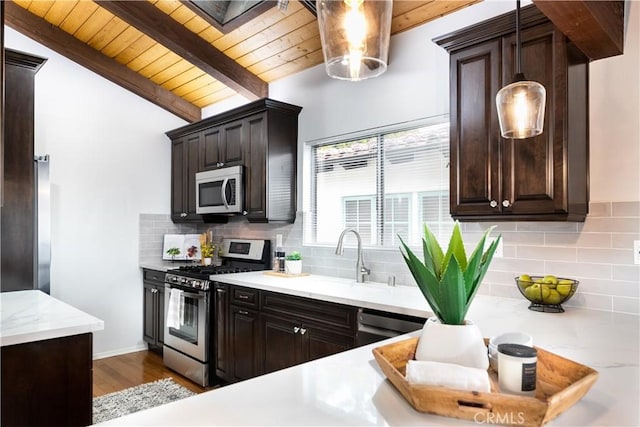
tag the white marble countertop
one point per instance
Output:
(28, 316)
(379, 296)
(350, 389)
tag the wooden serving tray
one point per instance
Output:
(279, 274)
(560, 383)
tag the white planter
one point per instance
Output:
(207, 261)
(459, 344)
(293, 266)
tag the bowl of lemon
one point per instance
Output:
(546, 293)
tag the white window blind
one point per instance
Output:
(383, 184)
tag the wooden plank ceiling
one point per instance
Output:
(165, 52)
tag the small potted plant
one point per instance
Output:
(449, 282)
(207, 251)
(293, 263)
(174, 252)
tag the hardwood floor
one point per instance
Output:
(119, 372)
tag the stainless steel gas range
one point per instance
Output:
(189, 307)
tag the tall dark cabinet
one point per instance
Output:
(542, 178)
(18, 210)
(1, 104)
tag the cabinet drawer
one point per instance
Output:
(154, 275)
(338, 316)
(245, 296)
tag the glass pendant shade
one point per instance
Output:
(355, 37)
(521, 108)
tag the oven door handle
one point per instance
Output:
(223, 193)
(192, 295)
(187, 293)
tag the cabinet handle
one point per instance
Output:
(220, 291)
(244, 213)
(243, 312)
(506, 203)
(296, 329)
(183, 214)
(243, 296)
(302, 331)
(493, 203)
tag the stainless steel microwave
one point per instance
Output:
(219, 191)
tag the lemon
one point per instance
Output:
(545, 292)
(553, 297)
(525, 278)
(549, 279)
(563, 289)
(533, 293)
(565, 282)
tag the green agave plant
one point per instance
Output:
(449, 281)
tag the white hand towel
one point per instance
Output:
(447, 375)
(175, 311)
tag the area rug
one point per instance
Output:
(134, 399)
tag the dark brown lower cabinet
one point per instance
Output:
(48, 382)
(288, 342)
(260, 332)
(153, 309)
(283, 344)
(245, 343)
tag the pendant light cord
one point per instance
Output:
(518, 43)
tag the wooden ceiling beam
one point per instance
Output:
(55, 39)
(596, 27)
(165, 30)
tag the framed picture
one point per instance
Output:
(181, 247)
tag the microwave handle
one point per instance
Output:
(223, 193)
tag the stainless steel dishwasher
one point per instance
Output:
(375, 325)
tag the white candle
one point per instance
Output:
(517, 369)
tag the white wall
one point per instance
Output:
(110, 161)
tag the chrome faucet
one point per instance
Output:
(361, 270)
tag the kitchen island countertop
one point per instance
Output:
(350, 389)
(29, 316)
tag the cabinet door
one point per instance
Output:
(475, 150)
(222, 331)
(192, 167)
(321, 342)
(232, 143)
(244, 335)
(149, 314)
(256, 182)
(178, 177)
(282, 343)
(185, 157)
(210, 149)
(534, 179)
(160, 315)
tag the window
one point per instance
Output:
(384, 183)
(358, 213)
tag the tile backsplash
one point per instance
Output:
(598, 253)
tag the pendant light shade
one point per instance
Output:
(355, 37)
(521, 109)
(521, 104)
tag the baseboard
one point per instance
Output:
(119, 352)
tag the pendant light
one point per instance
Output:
(355, 37)
(521, 104)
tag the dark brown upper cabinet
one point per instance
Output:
(185, 162)
(544, 178)
(263, 137)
